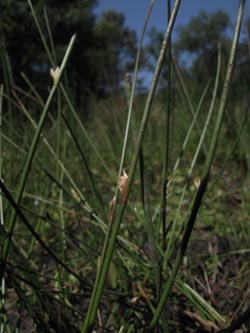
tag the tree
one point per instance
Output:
(197, 43)
(20, 38)
(116, 49)
(104, 47)
(195, 48)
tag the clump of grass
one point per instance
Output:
(87, 245)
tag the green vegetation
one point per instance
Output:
(123, 211)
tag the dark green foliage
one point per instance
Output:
(116, 49)
(22, 43)
(104, 49)
(196, 48)
(198, 41)
(203, 32)
(196, 45)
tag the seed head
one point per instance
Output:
(122, 185)
(197, 182)
(54, 73)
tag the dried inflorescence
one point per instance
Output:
(122, 185)
(54, 73)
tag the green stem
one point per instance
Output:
(19, 212)
(163, 202)
(187, 97)
(32, 150)
(2, 281)
(205, 177)
(114, 227)
(130, 91)
(198, 149)
(85, 133)
(149, 225)
(41, 33)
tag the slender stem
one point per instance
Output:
(114, 226)
(149, 225)
(33, 147)
(198, 149)
(52, 46)
(2, 295)
(187, 97)
(95, 191)
(85, 133)
(41, 33)
(205, 177)
(19, 212)
(60, 152)
(233, 147)
(172, 232)
(163, 202)
(130, 95)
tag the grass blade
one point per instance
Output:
(209, 160)
(31, 229)
(166, 140)
(114, 227)
(198, 149)
(33, 147)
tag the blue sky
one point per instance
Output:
(135, 11)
